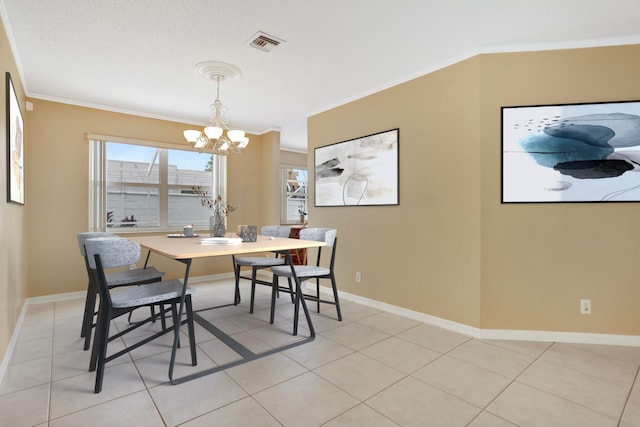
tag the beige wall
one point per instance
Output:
(424, 254)
(539, 260)
(450, 249)
(57, 191)
(291, 158)
(13, 218)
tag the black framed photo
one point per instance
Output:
(358, 172)
(586, 152)
(15, 146)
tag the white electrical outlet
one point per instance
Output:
(358, 277)
(585, 306)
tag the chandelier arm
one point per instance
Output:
(217, 138)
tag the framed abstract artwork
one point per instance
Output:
(15, 146)
(571, 153)
(358, 172)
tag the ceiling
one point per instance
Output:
(139, 56)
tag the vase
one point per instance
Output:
(216, 225)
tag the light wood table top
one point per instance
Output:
(190, 247)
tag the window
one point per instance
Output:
(294, 195)
(149, 187)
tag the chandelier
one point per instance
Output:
(217, 138)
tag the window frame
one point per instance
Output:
(98, 181)
(284, 194)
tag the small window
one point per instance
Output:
(294, 195)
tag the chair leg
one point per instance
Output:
(296, 307)
(236, 271)
(192, 334)
(290, 289)
(274, 286)
(163, 321)
(98, 337)
(335, 297)
(87, 320)
(174, 316)
(100, 346)
(318, 293)
(254, 270)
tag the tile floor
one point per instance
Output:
(372, 369)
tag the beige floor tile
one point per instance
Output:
(433, 338)
(305, 401)
(219, 352)
(526, 406)
(155, 369)
(400, 354)
(586, 390)
(361, 415)
(411, 402)
(265, 372)
(355, 336)
(76, 393)
(73, 307)
(32, 349)
(160, 345)
(243, 413)
(252, 342)
(464, 380)
(35, 331)
(72, 363)
(495, 359)
(134, 410)
(352, 312)
(25, 408)
(280, 333)
(183, 402)
(222, 323)
(388, 323)
(318, 352)
(631, 413)
(486, 419)
(323, 323)
(202, 335)
(21, 376)
(39, 314)
(248, 322)
(68, 341)
(528, 348)
(67, 325)
(592, 363)
(353, 374)
(626, 354)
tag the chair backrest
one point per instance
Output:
(276, 230)
(113, 252)
(82, 237)
(327, 235)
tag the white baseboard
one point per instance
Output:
(494, 334)
(13, 341)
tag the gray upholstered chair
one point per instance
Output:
(106, 253)
(306, 272)
(257, 263)
(136, 276)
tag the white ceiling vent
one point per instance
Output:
(264, 42)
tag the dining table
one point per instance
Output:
(185, 250)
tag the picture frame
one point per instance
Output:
(15, 146)
(571, 153)
(362, 171)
